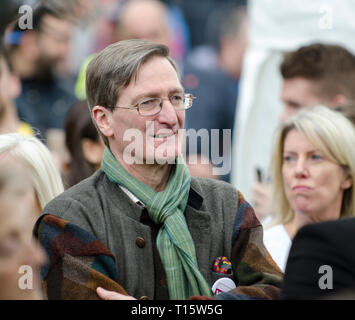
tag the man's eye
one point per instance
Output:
(177, 97)
(149, 102)
(146, 102)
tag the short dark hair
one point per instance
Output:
(13, 38)
(79, 126)
(113, 68)
(331, 67)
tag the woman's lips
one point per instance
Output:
(301, 188)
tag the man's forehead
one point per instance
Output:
(300, 89)
(51, 23)
(142, 69)
(299, 82)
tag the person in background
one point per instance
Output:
(321, 262)
(276, 28)
(35, 54)
(216, 87)
(84, 144)
(38, 56)
(143, 19)
(30, 153)
(313, 170)
(10, 88)
(18, 249)
(233, 41)
(313, 74)
(317, 74)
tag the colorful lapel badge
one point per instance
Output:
(222, 265)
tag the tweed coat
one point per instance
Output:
(219, 219)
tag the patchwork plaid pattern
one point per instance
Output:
(78, 262)
(256, 274)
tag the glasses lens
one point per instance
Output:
(149, 107)
(177, 100)
(188, 100)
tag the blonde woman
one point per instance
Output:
(28, 152)
(20, 255)
(313, 169)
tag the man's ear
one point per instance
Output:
(102, 117)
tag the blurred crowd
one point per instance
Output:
(283, 103)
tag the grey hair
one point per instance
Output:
(113, 68)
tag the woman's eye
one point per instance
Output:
(287, 158)
(316, 157)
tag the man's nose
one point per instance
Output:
(168, 113)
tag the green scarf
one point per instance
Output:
(174, 241)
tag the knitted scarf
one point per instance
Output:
(174, 241)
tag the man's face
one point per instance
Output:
(144, 20)
(157, 136)
(297, 93)
(54, 40)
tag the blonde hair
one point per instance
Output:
(44, 174)
(334, 135)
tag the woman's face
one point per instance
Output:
(15, 164)
(313, 184)
(20, 256)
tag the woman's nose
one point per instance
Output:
(36, 254)
(301, 167)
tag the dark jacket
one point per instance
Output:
(321, 263)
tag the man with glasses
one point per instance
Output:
(144, 227)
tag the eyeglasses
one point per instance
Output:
(152, 106)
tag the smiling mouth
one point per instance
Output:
(165, 135)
